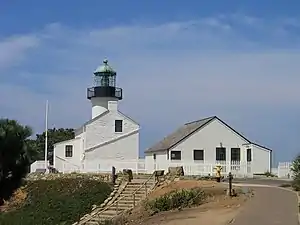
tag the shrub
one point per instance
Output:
(286, 185)
(177, 199)
(269, 174)
(60, 201)
(295, 168)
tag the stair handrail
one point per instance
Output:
(118, 200)
(133, 194)
(143, 185)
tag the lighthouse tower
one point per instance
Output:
(104, 93)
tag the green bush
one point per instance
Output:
(296, 183)
(177, 199)
(269, 174)
(286, 185)
(296, 173)
(60, 201)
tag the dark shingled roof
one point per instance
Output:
(188, 129)
(179, 134)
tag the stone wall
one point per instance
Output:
(53, 176)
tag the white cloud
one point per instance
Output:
(193, 68)
(13, 49)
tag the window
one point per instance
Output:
(154, 156)
(249, 158)
(118, 125)
(175, 155)
(235, 154)
(221, 154)
(69, 151)
(198, 154)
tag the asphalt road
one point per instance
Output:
(270, 206)
(261, 181)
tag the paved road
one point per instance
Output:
(270, 206)
(271, 182)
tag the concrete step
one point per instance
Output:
(136, 188)
(125, 202)
(107, 213)
(129, 192)
(121, 207)
(101, 218)
(92, 223)
(139, 183)
(129, 198)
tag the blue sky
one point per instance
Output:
(177, 61)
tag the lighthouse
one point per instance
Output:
(104, 95)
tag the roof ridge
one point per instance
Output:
(206, 118)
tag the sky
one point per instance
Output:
(177, 61)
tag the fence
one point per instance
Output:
(284, 170)
(237, 168)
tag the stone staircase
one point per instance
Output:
(129, 196)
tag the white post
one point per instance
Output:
(46, 136)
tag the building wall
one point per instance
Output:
(100, 145)
(207, 139)
(213, 135)
(63, 163)
(103, 129)
(116, 153)
(261, 159)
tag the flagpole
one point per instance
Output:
(46, 136)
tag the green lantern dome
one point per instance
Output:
(104, 69)
(104, 84)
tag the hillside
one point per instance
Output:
(52, 202)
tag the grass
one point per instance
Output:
(53, 202)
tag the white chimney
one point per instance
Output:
(113, 106)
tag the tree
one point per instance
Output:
(14, 156)
(295, 168)
(54, 136)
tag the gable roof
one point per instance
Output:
(79, 130)
(180, 134)
(187, 130)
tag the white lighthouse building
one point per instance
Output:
(109, 139)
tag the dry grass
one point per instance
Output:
(17, 200)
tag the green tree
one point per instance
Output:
(54, 136)
(295, 168)
(14, 157)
